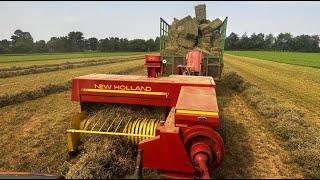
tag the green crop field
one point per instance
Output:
(54, 56)
(295, 58)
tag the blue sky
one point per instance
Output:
(141, 19)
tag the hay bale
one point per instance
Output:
(205, 39)
(186, 43)
(217, 42)
(215, 24)
(188, 33)
(205, 29)
(204, 45)
(200, 11)
(187, 28)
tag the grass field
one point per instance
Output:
(58, 56)
(34, 137)
(296, 58)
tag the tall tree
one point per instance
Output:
(232, 41)
(93, 43)
(77, 40)
(284, 41)
(5, 46)
(40, 46)
(22, 42)
(269, 42)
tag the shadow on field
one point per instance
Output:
(239, 157)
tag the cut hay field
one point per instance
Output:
(34, 137)
(286, 98)
(10, 58)
(260, 144)
(297, 84)
(31, 82)
(296, 58)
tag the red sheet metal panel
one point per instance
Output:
(197, 99)
(197, 106)
(194, 59)
(110, 88)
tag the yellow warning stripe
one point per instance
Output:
(107, 133)
(194, 112)
(125, 92)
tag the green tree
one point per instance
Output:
(232, 41)
(284, 42)
(93, 44)
(22, 42)
(269, 42)
(77, 40)
(150, 45)
(40, 46)
(137, 45)
(157, 43)
(5, 46)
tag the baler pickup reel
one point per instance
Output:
(132, 129)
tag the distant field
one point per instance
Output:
(296, 58)
(5, 58)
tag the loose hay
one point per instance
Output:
(106, 157)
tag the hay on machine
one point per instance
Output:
(108, 157)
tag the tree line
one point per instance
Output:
(22, 42)
(269, 42)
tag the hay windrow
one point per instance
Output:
(18, 71)
(285, 121)
(10, 99)
(108, 157)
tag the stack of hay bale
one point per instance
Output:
(189, 33)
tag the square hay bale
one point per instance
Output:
(217, 42)
(189, 29)
(170, 51)
(200, 11)
(205, 39)
(205, 29)
(186, 43)
(184, 20)
(181, 51)
(205, 46)
(215, 24)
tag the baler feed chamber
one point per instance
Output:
(130, 122)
